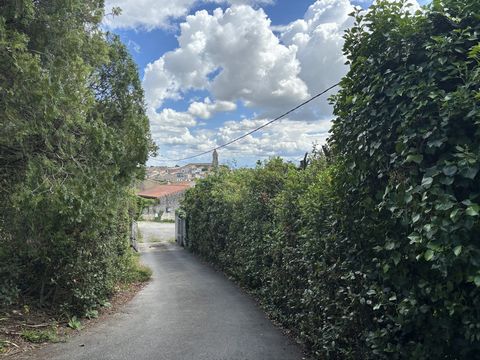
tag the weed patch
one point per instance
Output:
(137, 272)
(37, 336)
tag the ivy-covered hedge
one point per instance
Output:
(372, 251)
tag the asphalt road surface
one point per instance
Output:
(187, 312)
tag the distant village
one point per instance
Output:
(166, 186)
(186, 173)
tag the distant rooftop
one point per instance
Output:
(182, 166)
(159, 190)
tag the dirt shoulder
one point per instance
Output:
(23, 329)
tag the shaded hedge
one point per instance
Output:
(372, 251)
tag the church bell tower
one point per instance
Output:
(215, 159)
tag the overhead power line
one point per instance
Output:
(256, 129)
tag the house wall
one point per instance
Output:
(165, 207)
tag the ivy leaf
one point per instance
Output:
(476, 280)
(414, 238)
(457, 250)
(455, 214)
(450, 170)
(447, 180)
(436, 143)
(408, 198)
(428, 255)
(415, 218)
(416, 158)
(470, 172)
(427, 182)
(444, 206)
(396, 258)
(473, 210)
(390, 246)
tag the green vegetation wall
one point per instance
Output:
(373, 251)
(73, 138)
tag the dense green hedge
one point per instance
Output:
(373, 251)
(73, 138)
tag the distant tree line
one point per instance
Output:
(372, 251)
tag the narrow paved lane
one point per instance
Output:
(187, 312)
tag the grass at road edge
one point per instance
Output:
(24, 327)
(138, 272)
(39, 336)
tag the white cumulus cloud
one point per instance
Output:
(318, 38)
(239, 48)
(237, 56)
(151, 14)
(290, 139)
(207, 108)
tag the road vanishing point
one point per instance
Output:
(188, 311)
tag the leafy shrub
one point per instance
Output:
(136, 271)
(74, 323)
(372, 251)
(91, 314)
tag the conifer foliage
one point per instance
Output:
(73, 138)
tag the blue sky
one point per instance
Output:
(147, 46)
(215, 69)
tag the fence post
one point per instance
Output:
(134, 236)
(184, 232)
(180, 230)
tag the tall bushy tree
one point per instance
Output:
(74, 137)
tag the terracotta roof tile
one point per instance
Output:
(163, 190)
